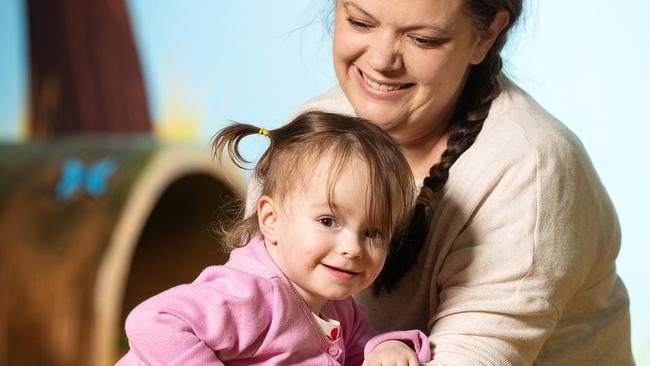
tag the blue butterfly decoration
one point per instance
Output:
(92, 179)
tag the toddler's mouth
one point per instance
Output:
(341, 270)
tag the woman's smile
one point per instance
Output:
(380, 88)
(390, 75)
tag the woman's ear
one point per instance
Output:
(267, 217)
(487, 38)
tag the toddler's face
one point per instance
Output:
(328, 252)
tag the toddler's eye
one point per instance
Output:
(373, 234)
(327, 221)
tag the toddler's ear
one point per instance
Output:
(267, 216)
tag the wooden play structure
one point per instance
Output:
(95, 214)
(81, 246)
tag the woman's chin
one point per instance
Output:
(382, 118)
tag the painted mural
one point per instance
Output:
(96, 213)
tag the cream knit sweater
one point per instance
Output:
(519, 263)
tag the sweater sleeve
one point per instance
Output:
(357, 334)
(201, 323)
(363, 337)
(413, 338)
(528, 246)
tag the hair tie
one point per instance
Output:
(263, 131)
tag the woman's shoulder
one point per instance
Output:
(517, 120)
(333, 100)
(522, 145)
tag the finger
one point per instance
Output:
(413, 360)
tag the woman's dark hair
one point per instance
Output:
(299, 146)
(481, 88)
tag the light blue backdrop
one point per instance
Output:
(585, 61)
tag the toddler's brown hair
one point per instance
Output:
(297, 147)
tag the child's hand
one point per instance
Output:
(391, 353)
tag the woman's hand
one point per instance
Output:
(391, 353)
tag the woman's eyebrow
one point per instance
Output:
(349, 4)
(432, 27)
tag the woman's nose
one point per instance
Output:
(384, 53)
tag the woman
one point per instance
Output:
(510, 257)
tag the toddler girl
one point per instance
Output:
(334, 190)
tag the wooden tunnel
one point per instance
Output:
(91, 226)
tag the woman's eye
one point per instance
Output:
(358, 23)
(426, 42)
(327, 221)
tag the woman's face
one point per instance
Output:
(402, 63)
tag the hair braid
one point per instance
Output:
(481, 88)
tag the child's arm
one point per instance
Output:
(409, 347)
(364, 343)
(200, 323)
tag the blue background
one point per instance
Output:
(206, 62)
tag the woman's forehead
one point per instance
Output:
(441, 14)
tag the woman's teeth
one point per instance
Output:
(381, 87)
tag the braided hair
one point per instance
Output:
(481, 88)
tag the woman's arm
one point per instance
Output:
(515, 280)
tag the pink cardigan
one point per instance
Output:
(246, 312)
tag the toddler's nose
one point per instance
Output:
(351, 247)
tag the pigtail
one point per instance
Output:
(228, 139)
(481, 88)
(237, 233)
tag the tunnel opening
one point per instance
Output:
(178, 240)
